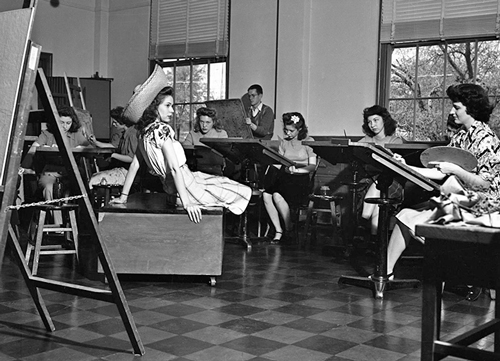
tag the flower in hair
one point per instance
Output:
(295, 119)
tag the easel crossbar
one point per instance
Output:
(73, 289)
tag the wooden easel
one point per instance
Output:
(28, 56)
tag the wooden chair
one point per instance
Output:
(302, 203)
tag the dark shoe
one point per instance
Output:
(277, 239)
(473, 293)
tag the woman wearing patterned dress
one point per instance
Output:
(471, 109)
(293, 183)
(151, 107)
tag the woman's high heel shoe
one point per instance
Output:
(276, 239)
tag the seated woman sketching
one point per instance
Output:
(151, 106)
(56, 172)
(379, 127)
(471, 109)
(293, 182)
(120, 161)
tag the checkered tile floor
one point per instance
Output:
(273, 303)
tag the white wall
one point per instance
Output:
(326, 52)
(128, 47)
(252, 58)
(327, 59)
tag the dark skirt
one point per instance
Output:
(294, 188)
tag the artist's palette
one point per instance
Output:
(458, 156)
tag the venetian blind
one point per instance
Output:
(413, 20)
(188, 28)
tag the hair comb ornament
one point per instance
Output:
(295, 119)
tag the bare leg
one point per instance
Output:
(273, 214)
(400, 237)
(283, 210)
(395, 248)
(371, 211)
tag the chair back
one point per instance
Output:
(312, 175)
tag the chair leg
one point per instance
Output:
(310, 207)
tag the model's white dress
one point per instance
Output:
(203, 189)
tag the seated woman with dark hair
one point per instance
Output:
(151, 107)
(292, 183)
(53, 172)
(206, 125)
(379, 127)
(471, 110)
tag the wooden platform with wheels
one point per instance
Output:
(146, 236)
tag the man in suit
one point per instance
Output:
(260, 116)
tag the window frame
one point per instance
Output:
(385, 72)
(191, 62)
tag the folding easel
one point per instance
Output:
(21, 68)
(70, 88)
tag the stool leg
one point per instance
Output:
(31, 238)
(334, 214)
(28, 252)
(74, 231)
(107, 196)
(38, 241)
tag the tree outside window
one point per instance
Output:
(421, 73)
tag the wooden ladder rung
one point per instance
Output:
(66, 251)
(55, 229)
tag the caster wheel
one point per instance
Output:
(213, 281)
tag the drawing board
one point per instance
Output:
(232, 114)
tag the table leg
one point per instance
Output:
(431, 305)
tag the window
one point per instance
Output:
(195, 81)
(421, 73)
(428, 45)
(194, 35)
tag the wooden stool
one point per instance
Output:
(42, 228)
(314, 207)
(102, 194)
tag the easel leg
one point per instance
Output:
(35, 293)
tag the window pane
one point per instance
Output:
(200, 79)
(183, 120)
(429, 120)
(402, 73)
(488, 71)
(182, 84)
(430, 71)
(461, 59)
(217, 81)
(402, 112)
(169, 71)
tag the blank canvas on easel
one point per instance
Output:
(15, 27)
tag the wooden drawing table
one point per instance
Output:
(87, 156)
(461, 255)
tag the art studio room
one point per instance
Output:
(249, 180)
